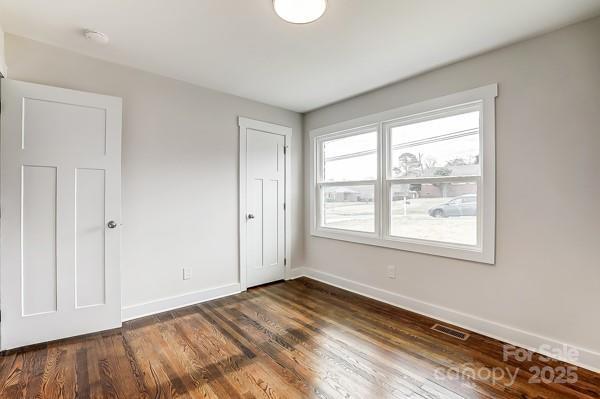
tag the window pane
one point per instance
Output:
(447, 146)
(350, 158)
(445, 212)
(349, 208)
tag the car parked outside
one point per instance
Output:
(464, 205)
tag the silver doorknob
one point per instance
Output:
(250, 216)
(112, 224)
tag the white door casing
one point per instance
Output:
(60, 185)
(264, 202)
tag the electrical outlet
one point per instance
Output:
(187, 273)
(391, 271)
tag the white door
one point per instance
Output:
(60, 197)
(265, 202)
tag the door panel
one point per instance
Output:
(255, 225)
(49, 125)
(90, 237)
(270, 218)
(265, 202)
(38, 230)
(60, 184)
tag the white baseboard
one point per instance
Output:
(295, 273)
(587, 358)
(179, 301)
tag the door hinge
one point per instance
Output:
(285, 149)
(285, 261)
(284, 206)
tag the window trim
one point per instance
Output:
(484, 252)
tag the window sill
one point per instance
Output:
(447, 250)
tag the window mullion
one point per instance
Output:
(381, 178)
(347, 183)
(432, 180)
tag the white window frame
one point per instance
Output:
(483, 99)
(376, 183)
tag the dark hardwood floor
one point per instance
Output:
(285, 340)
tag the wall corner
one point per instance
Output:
(3, 67)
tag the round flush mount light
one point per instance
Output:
(96, 37)
(300, 11)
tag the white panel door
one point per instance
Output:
(60, 197)
(265, 188)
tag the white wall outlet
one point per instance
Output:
(187, 273)
(391, 271)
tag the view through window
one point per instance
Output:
(420, 177)
(440, 157)
(348, 163)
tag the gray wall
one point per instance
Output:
(180, 169)
(547, 277)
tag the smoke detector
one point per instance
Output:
(96, 37)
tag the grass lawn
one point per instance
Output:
(416, 223)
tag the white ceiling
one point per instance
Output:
(241, 47)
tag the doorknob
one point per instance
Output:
(250, 216)
(111, 224)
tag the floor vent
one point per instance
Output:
(451, 332)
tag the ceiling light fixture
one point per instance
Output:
(300, 11)
(96, 37)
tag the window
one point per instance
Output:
(419, 178)
(434, 168)
(348, 183)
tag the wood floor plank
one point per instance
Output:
(33, 371)
(370, 324)
(298, 339)
(82, 379)
(161, 376)
(330, 361)
(412, 365)
(193, 342)
(319, 340)
(475, 353)
(299, 377)
(243, 368)
(13, 377)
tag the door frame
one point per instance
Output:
(245, 124)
